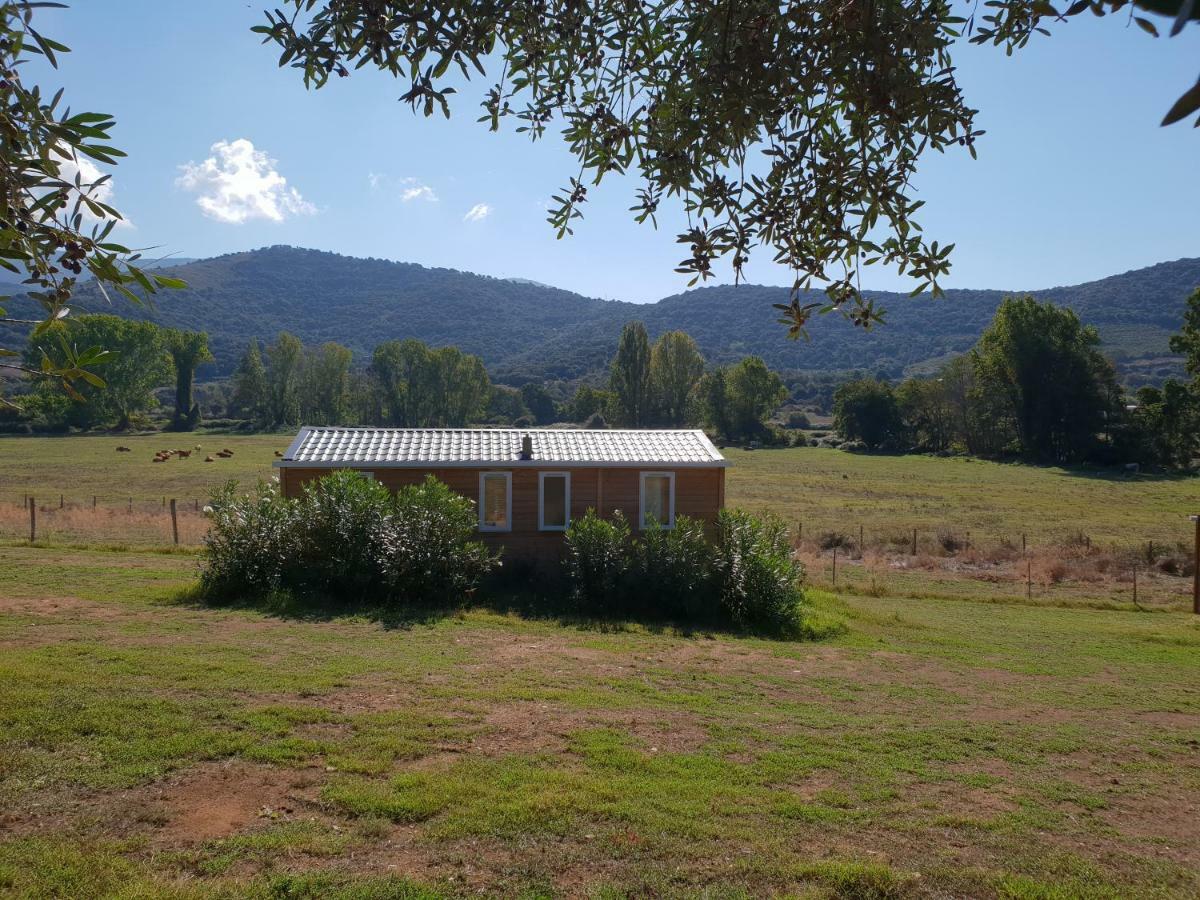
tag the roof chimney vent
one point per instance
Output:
(526, 447)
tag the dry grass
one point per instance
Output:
(137, 525)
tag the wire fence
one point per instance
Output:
(1072, 570)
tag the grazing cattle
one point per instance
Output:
(183, 454)
(279, 453)
(208, 459)
(124, 449)
(227, 451)
(159, 459)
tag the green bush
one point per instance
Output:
(747, 579)
(347, 538)
(253, 541)
(429, 549)
(343, 522)
(670, 574)
(596, 560)
(756, 578)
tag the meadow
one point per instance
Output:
(945, 737)
(1088, 534)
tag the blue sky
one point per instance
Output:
(1075, 179)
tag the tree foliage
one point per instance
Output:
(250, 385)
(134, 364)
(866, 410)
(1047, 367)
(675, 369)
(630, 378)
(420, 387)
(54, 223)
(794, 127)
(187, 350)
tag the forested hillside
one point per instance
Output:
(525, 331)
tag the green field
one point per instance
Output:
(824, 489)
(151, 747)
(931, 745)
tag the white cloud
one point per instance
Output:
(238, 183)
(477, 213)
(375, 179)
(412, 189)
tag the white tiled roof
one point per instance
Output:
(424, 447)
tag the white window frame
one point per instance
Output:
(670, 476)
(483, 476)
(542, 526)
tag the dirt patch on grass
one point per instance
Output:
(212, 801)
(526, 728)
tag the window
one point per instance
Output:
(495, 501)
(657, 499)
(554, 501)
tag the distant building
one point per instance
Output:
(528, 485)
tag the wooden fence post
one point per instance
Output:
(61, 501)
(1196, 569)
(860, 540)
(131, 505)
(32, 520)
(174, 523)
(93, 502)
(1022, 542)
(1028, 579)
(914, 546)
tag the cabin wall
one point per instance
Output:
(699, 493)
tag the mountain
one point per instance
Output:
(524, 330)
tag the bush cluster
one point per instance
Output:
(746, 578)
(345, 537)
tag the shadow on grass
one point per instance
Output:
(530, 605)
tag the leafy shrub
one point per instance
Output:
(756, 578)
(797, 420)
(343, 522)
(670, 572)
(429, 551)
(596, 560)
(346, 537)
(253, 541)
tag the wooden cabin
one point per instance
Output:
(528, 484)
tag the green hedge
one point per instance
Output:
(746, 578)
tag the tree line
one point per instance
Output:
(1037, 386)
(405, 383)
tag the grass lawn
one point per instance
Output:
(152, 747)
(824, 489)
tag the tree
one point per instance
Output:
(54, 221)
(325, 391)
(1166, 426)
(1046, 366)
(285, 361)
(187, 349)
(1187, 342)
(250, 385)
(587, 402)
(866, 410)
(505, 405)
(421, 388)
(630, 378)
(796, 127)
(135, 364)
(751, 393)
(539, 403)
(713, 399)
(675, 369)
(924, 405)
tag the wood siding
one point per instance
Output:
(699, 493)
